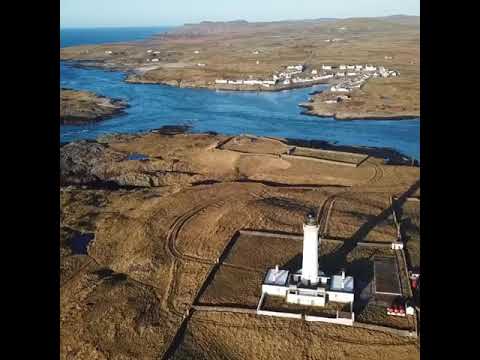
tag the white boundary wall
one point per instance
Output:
(343, 163)
(275, 313)
(279, 314)
(340, 321)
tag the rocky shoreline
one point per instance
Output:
(133, 78)
(342, 116)
(391, 156)
(80, 107)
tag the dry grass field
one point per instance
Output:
(329, 155)
(155, 242)
(410, 226)
(353, 216)
(255, 145)
(239, 336)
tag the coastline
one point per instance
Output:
(355, 116)
(388, 154)
(84, 107)
(131, 77)
(391, 156)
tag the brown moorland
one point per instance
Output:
(157, 226)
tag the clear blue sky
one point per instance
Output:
(93, 13)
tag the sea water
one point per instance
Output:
(228, 112)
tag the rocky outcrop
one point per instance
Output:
(86, 162)
(96, 165)
(79, 107)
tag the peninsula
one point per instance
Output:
(80, 107)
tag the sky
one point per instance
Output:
(127, 13)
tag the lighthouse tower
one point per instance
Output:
(310, 251)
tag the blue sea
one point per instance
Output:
(226, 112)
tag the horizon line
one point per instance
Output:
(225, 21)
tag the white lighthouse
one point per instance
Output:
(310, 251)
(309, 286)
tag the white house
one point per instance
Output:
(330, 101)
(299, 67)
(313, 297)
(196, 52)
(350, 67)
(358, 67)
(340, 74)
(156, 52)
(255, 52)
(108, 52)
(275, 282)
(341, 288)
(398, 245)
(258, 62)
(329, 76)
(339, 88)
(155, 60)
(343, 67)
(286, 82)
(221, 81)
(326, 67)
(370, 68)
(199, 64)
(149, 51)
(314, 72)
(351, 73)
(252, 82)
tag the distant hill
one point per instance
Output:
(402, 19)
(386, 23)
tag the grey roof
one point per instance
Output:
(276, 277)
(336, 283)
